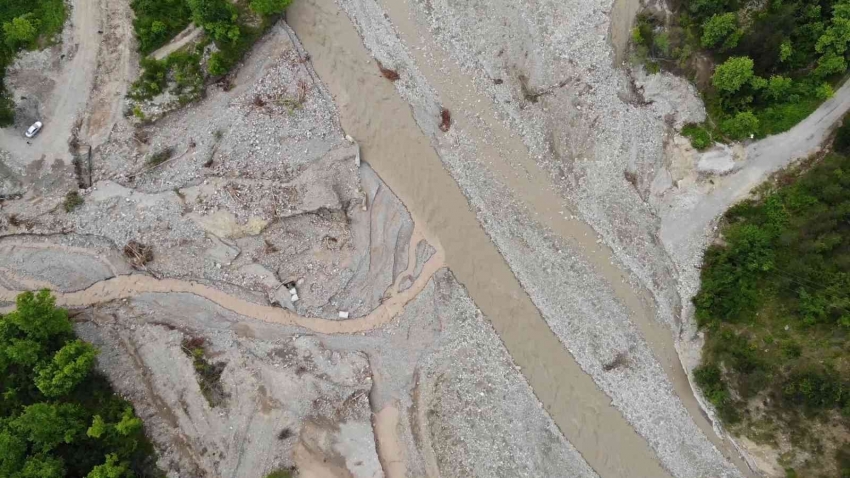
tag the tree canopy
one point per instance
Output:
(776, 59)
(775, 307)
(58, 416)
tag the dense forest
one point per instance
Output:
(25, 24)
(58, 416)
(774, 61)
(775, 307)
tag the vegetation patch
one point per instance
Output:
(775, 307)
(179, 74)
(231, 27)
(699, 136)
(58, 416)
(158, 21)
(282, 473)
(160, 156)
(25, 24)
(208, 374)
(72, 201)
(761, 66)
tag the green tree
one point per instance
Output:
(158, 28)
(720, 29)
(740, 126)
(208, 12)
(97, 428)
(217, 65)
(22, 30)
(706, 8)
(785, 50)
(833, 43)
(129, 423)
(223, 31)
(113, 468)
(778, 87)
(46, 425)
(269, 7)
(13, 452)
(824, 91)
(733, 74)
(58, 417)
(43, 466)
(69, 367)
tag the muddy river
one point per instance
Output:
(392, 143)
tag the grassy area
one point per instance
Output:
(58, 416)
(25, 24)
(770, 64)
(775, 307)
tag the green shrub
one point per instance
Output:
(280, 474)
(740, 126)
(699, 136)
(72, 201)
(217, 65)
(269, 7)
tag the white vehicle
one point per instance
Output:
(34, 129)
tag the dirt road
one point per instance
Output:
(74, 82)
(682, 229)
(190, 34)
